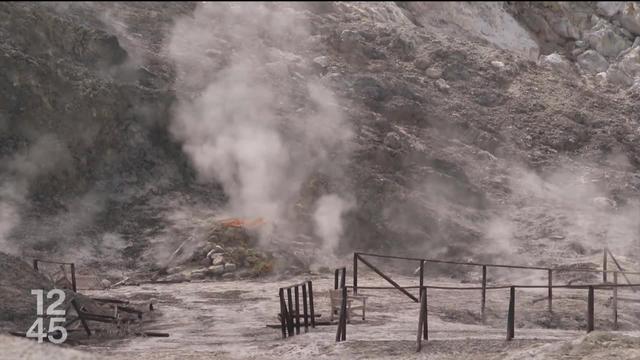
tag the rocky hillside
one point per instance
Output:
(457, 130)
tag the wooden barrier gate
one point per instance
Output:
(290, 314)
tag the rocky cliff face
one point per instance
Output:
(459, 142)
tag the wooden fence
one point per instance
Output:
(290, 308)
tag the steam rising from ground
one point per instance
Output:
(250, 114)
(47, 154)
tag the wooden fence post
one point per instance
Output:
(283, 313)
(615, 300)
(296, 294)
(311, 309)
(511, 314)
(343, 277)
(73, 277)
(590, 301)
(550, 290)
(341, 333)
(290, 312)
(304, 307)
(483, 300)
(425, 329)
(355, 273)
(335, 279)
(604, 265)
(422, 320)
(421, 274)
(35, 264)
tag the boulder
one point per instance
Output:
(230, 267)
(206, 262)
(563, 27)
(216, 269)
(618, 77)
(603, 38)
(180, 277)
(609, 8)
(592, 62)
(321, 62)
(175, 270)
(630, 62)
(556, 62)
(630, 17)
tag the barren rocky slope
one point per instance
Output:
(459, 145)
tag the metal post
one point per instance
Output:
(73, 277)
(355, 273)
(304, 307)
(511, 314)
(283, 315)
(550, 299)
(604, 265)
(484, 292)
(296, 294)
(615, 300)
(311, 310)
(590, 319)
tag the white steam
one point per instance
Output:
(251, 115)
(328, 220)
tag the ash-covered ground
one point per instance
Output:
(500, 132)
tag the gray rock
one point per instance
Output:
(105, 283)
(618, 77)
(577, 51)
(321, 62)
(605, 40)
(206, 262)
(392, 141)
(230, 267)
(497, 64)
(630, 62)
(199, 274)
(592, 62)
(556, 62)
(422, 63)
(442, 85)
(563, 27)
(630, 17)
(216, 269)
(581, 44)
(217, 259)
(433, 72)
(609, 8)
(180, 277)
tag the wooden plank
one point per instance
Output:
(615, 261)
(615, 301)
(550, 289)
(483, 299)
(283, 315)
(604, 265)
(290, 324)
(305, 308)
(511, 314)
(344, 314)
(364, 261)
(420, 322)
(355, 274)
(81, 317)
(311, 309)
(590, 317)
(296, 294)
(425, 328)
